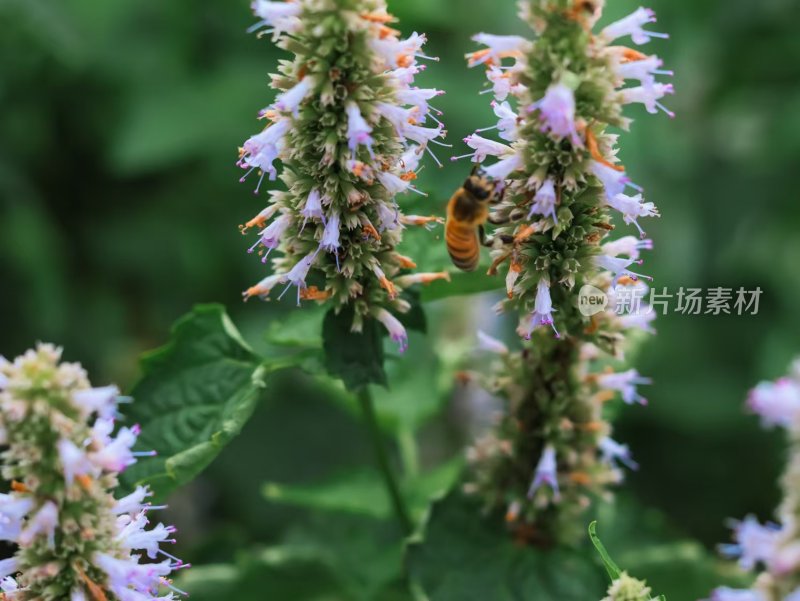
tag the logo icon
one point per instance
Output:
(591, 300)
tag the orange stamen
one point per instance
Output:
(94, 589)
(630, 55)
(408, 176)
(405, 262)
(581, 478)
(378, 17)
(85, 482)
(258, 221)
(590, 426)
(19, 487)
(604, 396)
(370, 230)
(256, 291)
(315, 294)
(420, 219)
(387, 285)
(525, 233)
(594, 150)
(427, 278)
(387, 32)
(473, 58)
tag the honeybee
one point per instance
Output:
(467, 211)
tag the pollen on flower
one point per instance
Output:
(336, 218)
(559, 185)
(39, 513)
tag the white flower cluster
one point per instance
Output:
(773, 548)
(64, 452)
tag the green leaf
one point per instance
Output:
(355, 357)
(275, 573)
(363, 492)
(462, 284)
(195, 395)
(359, 492)
(612, 568)
(466, 555)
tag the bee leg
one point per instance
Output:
(498, 220)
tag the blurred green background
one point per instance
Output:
(119, 206)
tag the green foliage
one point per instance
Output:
(465, 555)
(195, 395)
(355, 357)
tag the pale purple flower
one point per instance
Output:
(503, 168)
(491, 344)
(116, 455)
(278, 16)
(330, 236)
(74, 461)
(501, 83)
(43, 522)
(557, 112)
(633, 25)
(133, 502)
(632, 208)
(358, 130)
(289, 101)
(755, 543)
(542, 311)
(134, 536)
(625, 383)
(498, 46)
(8, 566)
(644, 70)
(484, 147)
(725, 593)
(271, 236)
(393, 183)
(546, 473)
(100, 400)
(396, 115)
(649, 96)
(392, 50)
(627, 245)
(619, 267)
(297, 274)
(261, 150)
(12, 510)
(612, 451)
(312, 209)
(613, 181)
(778, 403)
(544, 201)
(641, 320)
(423, 135)
(126, 573)
(418, 98)
(388, 216)
(397, 332)
(507, 120)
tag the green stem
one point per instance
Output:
(390, 479)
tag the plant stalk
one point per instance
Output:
(389, 477)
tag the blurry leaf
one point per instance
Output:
(363, 492)
(272, 574)
(161, 127)
(301, 328)
(355, 357)
(612, 568)
(196, 394)
(462, 284)
(465, 555)
(365, 554)
(360, 492)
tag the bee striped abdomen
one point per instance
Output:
(462, 244)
